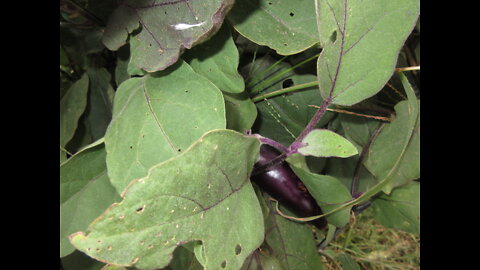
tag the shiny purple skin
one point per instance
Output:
(280, 182)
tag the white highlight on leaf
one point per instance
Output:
(183, 26)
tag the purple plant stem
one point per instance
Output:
(313, 122)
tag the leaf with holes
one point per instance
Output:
(158, 116)
(165, 28)
(326, 143)
(292, 242)
(193, 196)
(361, 41)
(85, 192)
(278, 24)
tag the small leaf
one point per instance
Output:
(329, 193)
(400, 209)
(193, 196)
(167, 28)
(326, 143)
(72, 106)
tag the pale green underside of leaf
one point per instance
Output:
(72, 106)
(157, 117)
(400, 209)
(193, 196)
(361, 41)
(326, 143)
(395, 154)
(329, 193)
(292, 243)
(166, 28)
(286, 28)
(85, 192)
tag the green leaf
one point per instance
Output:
(394, 157)
(184, 259)
(85, 192)
(167, 28)
(400, 209)
(343, 169)
(157, 117)
(241, 112)
(99, 109)
(217, 60)
(326, 143)
(329, 193)
(261, 260)
(79, 261)
(361, 41)
(286, 28)
(292, 242)
(193, 196)
(72, 106)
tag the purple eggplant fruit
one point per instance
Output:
(280, 182)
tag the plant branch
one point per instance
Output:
(284, 90)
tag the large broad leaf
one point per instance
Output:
(157, 117)
(166, 28)
(329, 193)
(361, 41)
(193, 196)
(400, 209)
(292, 243)
(72, 106)
(394, 156)
(85, 192)
(285, 27)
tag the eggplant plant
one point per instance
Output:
(230, 134)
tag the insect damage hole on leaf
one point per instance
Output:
(333, 36)
(238, 249)
(287, 83)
